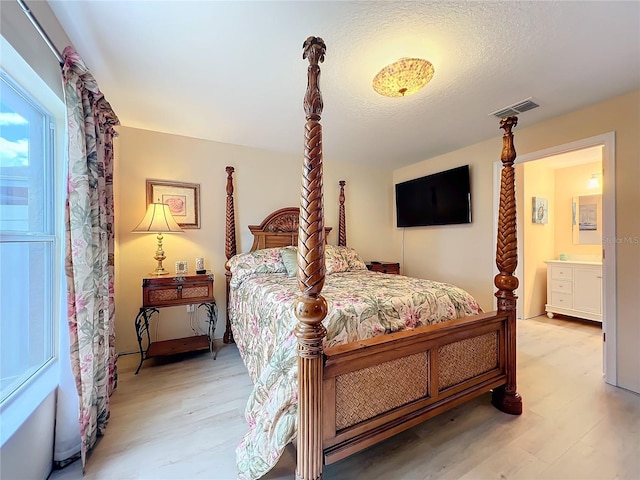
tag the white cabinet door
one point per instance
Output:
(587, 291)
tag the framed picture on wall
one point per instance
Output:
(588, 217)
(183, 200)
(540, 210)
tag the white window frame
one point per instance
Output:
(17, 408)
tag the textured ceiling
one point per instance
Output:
(233, 71)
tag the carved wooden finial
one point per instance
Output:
(229, 169)
(314, 50)
(508, 150)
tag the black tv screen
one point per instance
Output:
(440, 199)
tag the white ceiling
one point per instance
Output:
(233, 71)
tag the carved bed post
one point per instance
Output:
(311, 307)
(229, 246)
(506, 398)
(342, 221)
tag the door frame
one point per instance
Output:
(610, 320)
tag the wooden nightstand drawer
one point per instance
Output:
(169, 291)
(384, 267)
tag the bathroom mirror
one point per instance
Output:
(587, 219)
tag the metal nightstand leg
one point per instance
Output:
(212, 313)
(142, 327)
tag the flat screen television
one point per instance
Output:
(443, 198)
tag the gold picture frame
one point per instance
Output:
(183, 200)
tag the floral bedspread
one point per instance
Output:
(362, 305)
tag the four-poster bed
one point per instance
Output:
(353, 393)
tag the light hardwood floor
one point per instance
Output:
(183, 420)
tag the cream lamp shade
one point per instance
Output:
(158, 219)
(404, 77)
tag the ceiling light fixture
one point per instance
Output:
(404, 77)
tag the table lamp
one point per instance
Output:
(158, 219)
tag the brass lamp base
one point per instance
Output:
(159, 257)
(158, 273)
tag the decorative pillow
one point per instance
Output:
(334, 261)
(267, 260)
(290, 259)
(353, 259)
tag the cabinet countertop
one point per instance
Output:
(176, 277)
(573, 262)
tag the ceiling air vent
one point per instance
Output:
(515, 109)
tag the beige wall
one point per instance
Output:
(572, 182)
(264, 181)
(460, 254)
(538, 238)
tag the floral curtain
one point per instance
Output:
(89, 261)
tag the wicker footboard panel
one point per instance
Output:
(365, 393)
(379, 388)
(466, 359)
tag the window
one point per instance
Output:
(27, 237)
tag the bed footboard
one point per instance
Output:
(376, 388)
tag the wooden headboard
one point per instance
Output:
(279, 229)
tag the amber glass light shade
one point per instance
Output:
(404, 77)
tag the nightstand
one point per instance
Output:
(166, 291)
(384, 267)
